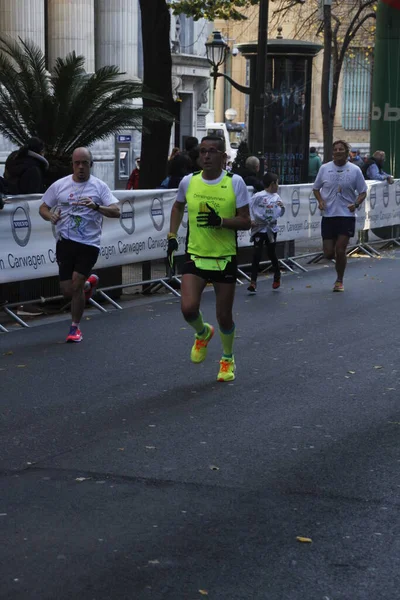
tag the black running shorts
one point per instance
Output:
(228, 275)
(74, 256)
(332, 227)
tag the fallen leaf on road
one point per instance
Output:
(351, 372)
(378, 367)
(9, 353)
(82, 479)
(308, 286)
(304, 540)
(21, 366)
(214, 468)
(203, 592)
(120, 449)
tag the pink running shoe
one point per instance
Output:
(75, 334)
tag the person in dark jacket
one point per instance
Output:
(178, 167)
(250, 175)
(25, 169)
(192, 151)
(24, 173)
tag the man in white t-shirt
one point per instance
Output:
(76, 205)
(340, 189)
(217, 206)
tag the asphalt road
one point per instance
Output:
(126, 472)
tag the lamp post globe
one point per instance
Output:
(230, 114)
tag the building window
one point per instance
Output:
(186, 34)
(357, 80)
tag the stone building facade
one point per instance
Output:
(108, 32)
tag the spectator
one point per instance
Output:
(25, 169)
(190, 143)
(178, 167)
(174, 152)
(24, 173)
(192, 150)
(314, 164)
(133, 181)
(3, 301)
(355, 158)
(373, 168)
(250, 175)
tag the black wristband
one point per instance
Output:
(96, 206)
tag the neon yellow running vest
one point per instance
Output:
(211, 241)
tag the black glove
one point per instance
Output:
(171, 249)
(209, 219)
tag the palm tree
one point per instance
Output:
(67, 107)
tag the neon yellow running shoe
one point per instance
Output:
(226, 369)
(199, 348)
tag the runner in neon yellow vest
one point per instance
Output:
(217, 206)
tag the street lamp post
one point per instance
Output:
(217, 48)
(257, 98)
(216, 51)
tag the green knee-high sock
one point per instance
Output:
(227, 338)
(198, 325)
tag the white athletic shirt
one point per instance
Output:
(79, 223)
(239, 187)
(265, 212)
(339, 187)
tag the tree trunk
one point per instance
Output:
(157, 70)
(327, 117)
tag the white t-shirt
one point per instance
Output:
(265, 212)
(339, 187)
(79, 223)
(239, 187)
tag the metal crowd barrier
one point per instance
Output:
(289, 263)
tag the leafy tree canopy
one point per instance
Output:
(212, 9)
(66, 107)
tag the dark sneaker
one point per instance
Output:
(90, 286)
(252, 289)
(276, 283)
(75, 334)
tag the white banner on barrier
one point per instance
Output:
(27, 242)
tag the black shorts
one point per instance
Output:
(74, 256)
(259, 239)
(228, 275)
(332, 227)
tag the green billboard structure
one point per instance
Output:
(385, 118)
